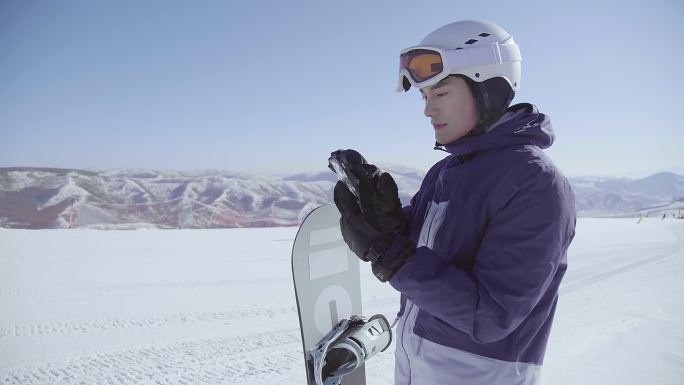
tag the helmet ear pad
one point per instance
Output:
(492, 98)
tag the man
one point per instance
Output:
(479, 253)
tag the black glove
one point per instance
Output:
(379, 199)
(387, 252)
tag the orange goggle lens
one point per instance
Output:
(422, 64)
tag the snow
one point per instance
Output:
(217, 307)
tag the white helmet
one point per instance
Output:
(478, 50)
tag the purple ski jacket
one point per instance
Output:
(492, 222)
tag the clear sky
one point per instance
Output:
(278, 85)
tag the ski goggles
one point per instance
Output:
(425, 66)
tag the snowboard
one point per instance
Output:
(326, 281)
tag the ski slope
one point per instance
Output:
(217, 307)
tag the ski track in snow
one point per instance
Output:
(208, 361)
(87, 326)
(615, 267)
(130, 287)
(187, 331)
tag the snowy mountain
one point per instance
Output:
(661, 193)
(134, 198)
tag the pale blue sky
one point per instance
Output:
(278, 85)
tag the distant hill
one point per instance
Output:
(656, 194)
(134, 198)
(58, 198)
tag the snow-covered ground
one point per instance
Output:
(217, 307)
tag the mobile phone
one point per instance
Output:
(347, 164)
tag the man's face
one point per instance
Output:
(451, 108)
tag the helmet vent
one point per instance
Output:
(471, 41)
(484, 34)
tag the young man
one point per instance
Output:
(479, 253)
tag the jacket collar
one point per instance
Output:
(521, 124)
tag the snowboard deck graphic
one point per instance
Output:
(327, 283)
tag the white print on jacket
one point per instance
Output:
(434, 215)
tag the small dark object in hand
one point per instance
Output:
(349, 166)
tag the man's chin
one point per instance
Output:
(446, 140)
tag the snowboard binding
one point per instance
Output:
(347, 346)
(349, 166)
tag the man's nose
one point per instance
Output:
(430, 109)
